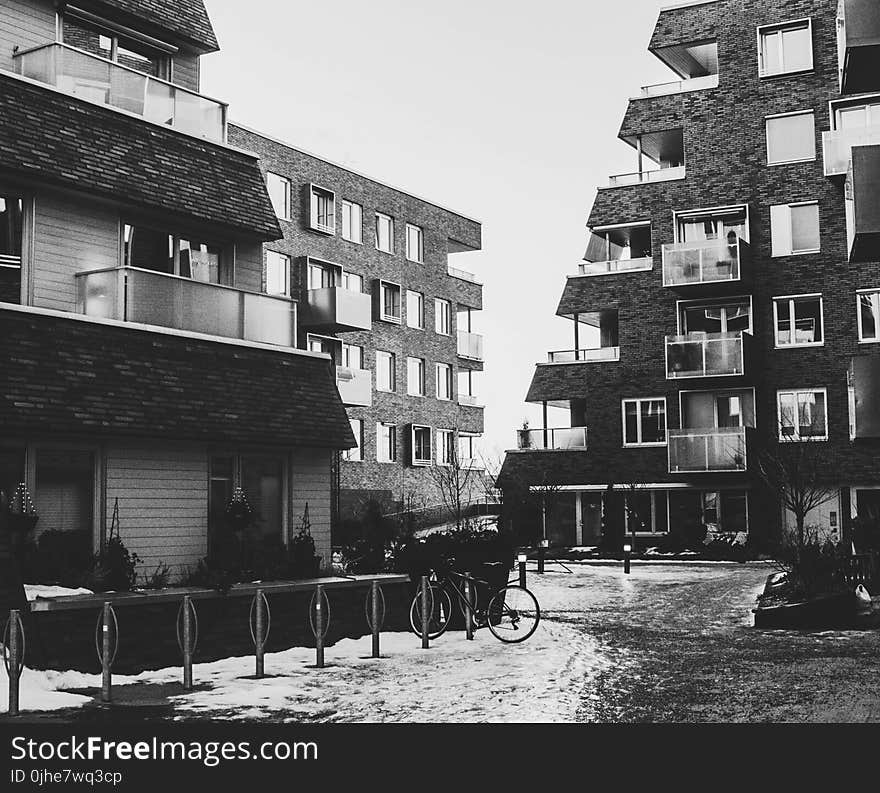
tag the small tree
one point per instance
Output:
(456, 480)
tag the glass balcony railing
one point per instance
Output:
(544, 439)
(707, 450)
(678, 86)
(150, 298)
(705, 262)
(470, 345)
(615, 266)
(89, 77)
(646, 177)
(462, 275)
(339, 309)
(705, 355)
(355, 386)
(837, 146)
(469, 400)
(588, 355)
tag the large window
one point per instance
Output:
(716, 316)
(105, 43)
(791, 138)
(725, 510)
(445, 447)
(421, 445)
(323, 275)
(443, 317)
(868, 307)
(414, 243)
(189, 257)
(723, 223)
(644, 422)
(444, 381)
(386, 442)
(277, 273)
(323, 210)
(384, 233)
(794, 228)
(279, 193)
(415, 376)
(352, 222)
(415, 310)
(467, 450)
(353, 282)
(385, 371)
(803, 414)
(65, 492)
(389, 302)
(799, 321)
(357, 453)
(785, 48)
(647, 511)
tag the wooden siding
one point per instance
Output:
(24, 24)
(185, 71)
(249, 266)
(310, 483)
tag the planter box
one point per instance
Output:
(834, 612)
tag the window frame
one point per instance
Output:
(810, 112)
(421, 243)
(438, 301)
(859, 293)
(441, 441)
(286, 261)
(392, 438)
(439, 367)
(346, 203)
(653, 495)
(422, 380)
(397, 320)
(420, 315)
(359, 449)
(639, 401)
(392, 370)
(390, 220)
(315, 191)
(428, 432)
(791, 302)
(774, 253)
(796, 437)
(288, 192)
(780, 26)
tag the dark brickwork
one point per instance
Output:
(441, 227)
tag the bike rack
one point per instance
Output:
(14, 653)
(260, 623)
(187, 627)
(106, 648)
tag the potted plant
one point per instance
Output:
(22, 512)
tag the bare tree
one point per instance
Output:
(456, 480)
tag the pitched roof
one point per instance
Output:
(185, 19)
(66, 141)
(67, 376)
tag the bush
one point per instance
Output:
(114, 568)
(812, 570)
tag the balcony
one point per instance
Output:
(567, 438)
(470, 345)
(592, 355)
(862, 203)
(355, 386)
(647, 177)
(335, 309)
(678, 86)
(858, 45)
(616, 266)
(838, 145)
(89, 77)
(146, 297)
(469, 400)
(706, 355)
(462, 275)
(692, 264)
(714, 449)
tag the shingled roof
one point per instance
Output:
(75, 144)
(72, 377)
(186, 20)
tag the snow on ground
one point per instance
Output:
(34, 591)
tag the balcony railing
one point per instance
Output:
(470, 345)
(707, 450)
(616, 266)
(646, 177)
(707, 355)
(336, 308)
(678, 86)
(462, 275)
(169, 301)
(89, 77)
(704, 262)
(838, 144)
(588, 355)
(355, 386)
(469, 400)
(545, 439)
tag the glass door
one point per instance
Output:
(10, 248)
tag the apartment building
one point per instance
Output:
(729, 297)
(144, 368)
(376, 274)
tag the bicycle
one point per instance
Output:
(512, 614)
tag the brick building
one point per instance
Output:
(729, 298)
(143, 365)
(372, 269)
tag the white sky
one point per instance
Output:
(507, 112)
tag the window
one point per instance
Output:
(352, 222)
(415, 310)
(11, 226)
(445, 447)
(467, 394)
(799, 321)
(198, 259)
(644, 422)
(386, 443)
(324, 344)
(356, 454)
(794, 228)
(723, 223)
(802, 414)
(791, 138)
(105, 43)
(277, 273)
(384, 233)
(443, 317)
(647, 512)
(389, 296)
(467, 450)
(414, 243)
(323, 275)
(352, 356)
(279, 193)
(444, 381)
(421, 445)
(715, 316)
(65, 492)
(386, 379)
(323, 210)
(868, 303)
(415, 376)
(785, 48)
(353, 282)
(856, 115)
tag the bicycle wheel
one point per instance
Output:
(513, 614)
(439, 610)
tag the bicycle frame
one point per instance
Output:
(448, 582)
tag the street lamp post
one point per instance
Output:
(627, 552)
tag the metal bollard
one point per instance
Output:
(521, 559)
(468, 609)
(425, 615)
(627, 552)
(187, 644)
(319, 626)
(258, 635)
(106, 675)
(375, 610)
(542, 550)
(14, 669)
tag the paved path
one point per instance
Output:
(682, 649)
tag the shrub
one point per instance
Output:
(159, 578)
(113, 568)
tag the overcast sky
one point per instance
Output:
(504, 111)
